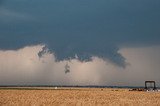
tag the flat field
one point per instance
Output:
(77, 97)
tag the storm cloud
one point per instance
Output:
(96, 42)
(79, 27)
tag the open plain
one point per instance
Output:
(76, 97)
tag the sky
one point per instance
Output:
(104, 42)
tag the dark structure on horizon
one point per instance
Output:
(150, 82)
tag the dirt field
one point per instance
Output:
(77, 97)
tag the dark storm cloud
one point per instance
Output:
(1, 2)
(80, 27)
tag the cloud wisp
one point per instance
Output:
(13, 16)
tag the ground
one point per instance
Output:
(77, 97)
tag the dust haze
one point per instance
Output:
(37, 65)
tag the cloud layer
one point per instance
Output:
(86, 28)
(25, 67)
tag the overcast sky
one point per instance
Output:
(83, 29)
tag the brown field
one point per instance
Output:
(77, 97)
